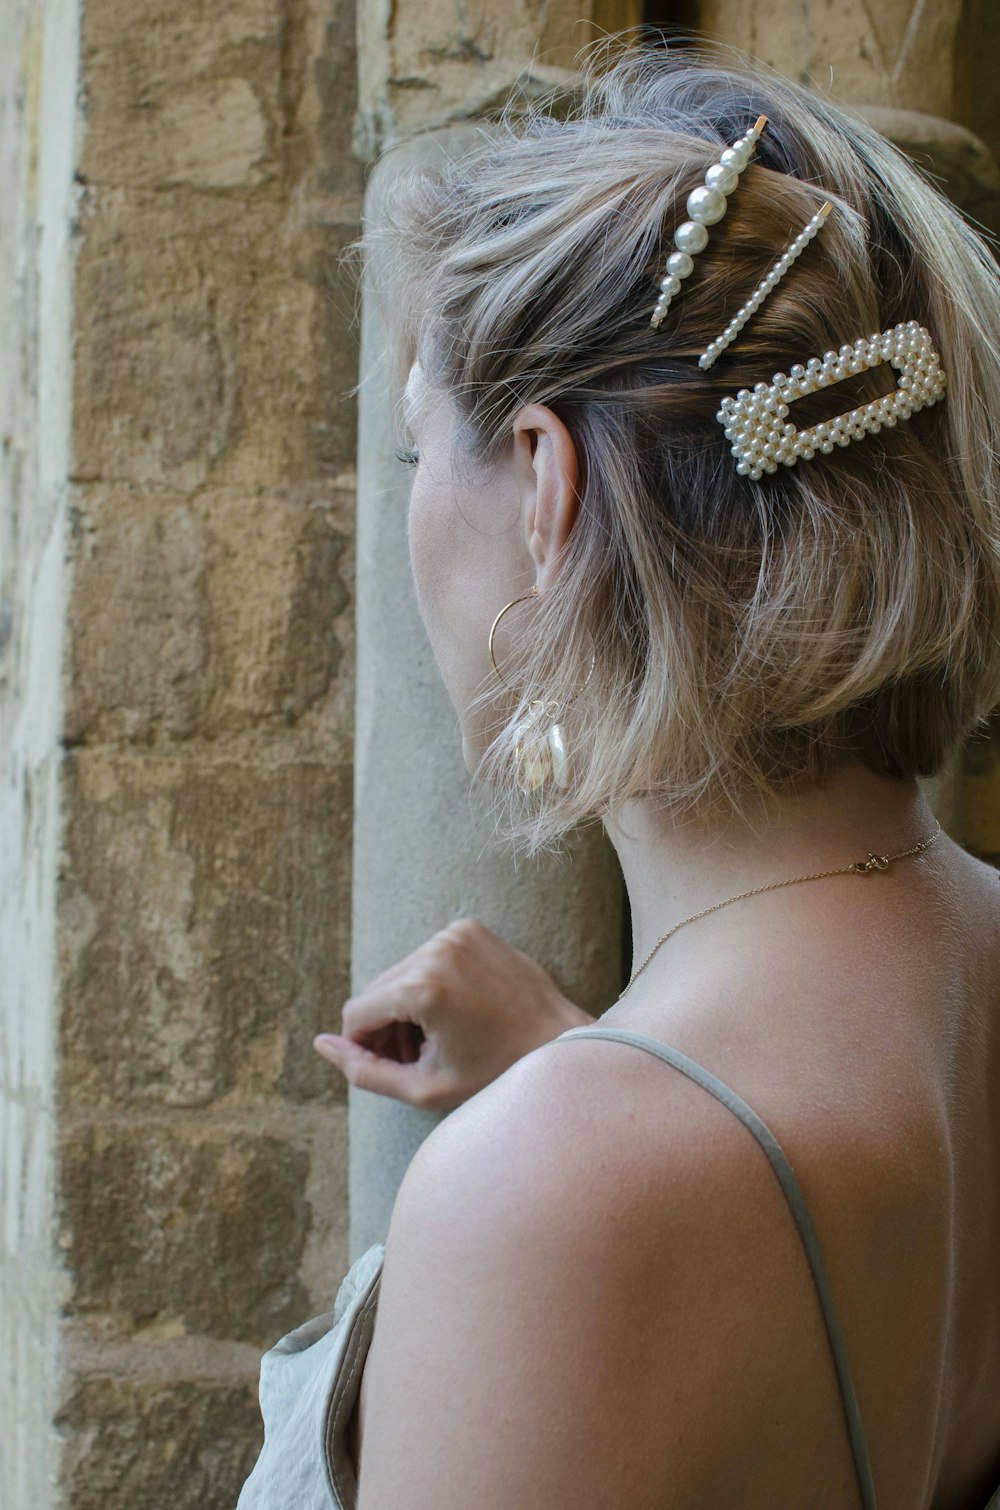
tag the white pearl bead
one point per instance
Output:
(734, 157)
(706, 206)
(690, 237)
(558, 756)
(680, 265)
(722, 178)
(671, 286)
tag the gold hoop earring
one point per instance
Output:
(513, 603)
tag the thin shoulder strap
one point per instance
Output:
(800, 1211)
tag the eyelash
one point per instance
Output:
(408, 458)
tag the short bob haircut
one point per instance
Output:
(746, 635)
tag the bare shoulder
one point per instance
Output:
(589, 1288)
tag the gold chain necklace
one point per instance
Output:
(859, 868)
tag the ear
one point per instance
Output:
(548, 473)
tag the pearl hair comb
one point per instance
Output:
(757, 422)
(705, 206)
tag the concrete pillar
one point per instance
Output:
(421, 857)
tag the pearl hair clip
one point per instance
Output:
(757, 423)
(774, 276)
(705, 206)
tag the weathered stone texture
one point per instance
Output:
(895, 52)
(204, 349)
(205, 930)
(201, 909)
(137, 1445)
(238, 614)
(196, 1224)
(38, 54)
(425, 66)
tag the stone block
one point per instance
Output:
(426, 66)
(204, 929)
(213, 344)
(251, 94)
(893, 53)
(134, 1445)
(185, 1227)
(182, 93)
(329, 97)
(217, 614)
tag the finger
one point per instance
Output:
(401, 1041)
(402, 1000)
(370, 1072)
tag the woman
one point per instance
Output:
(727, 528)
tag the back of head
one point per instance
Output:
(745, 633)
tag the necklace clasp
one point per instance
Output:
(874, 862)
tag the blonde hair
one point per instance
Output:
(745, 635)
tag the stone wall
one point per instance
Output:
(204, 906)
(177, 739)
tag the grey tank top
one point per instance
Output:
(309, 1381)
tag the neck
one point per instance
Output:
(673, 869)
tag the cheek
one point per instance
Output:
(454, 593)
(425, 531)
(441, 572)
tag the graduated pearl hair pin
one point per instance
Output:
(706, 206)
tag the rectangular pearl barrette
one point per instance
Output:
(757, 422)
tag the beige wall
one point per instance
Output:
(177, 727)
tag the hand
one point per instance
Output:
(448, 1019)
